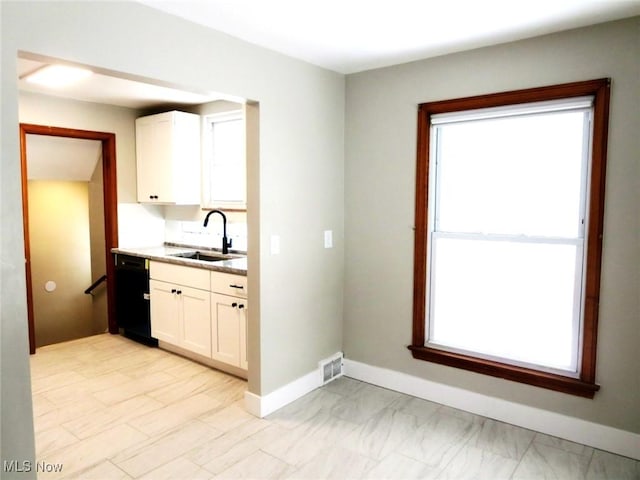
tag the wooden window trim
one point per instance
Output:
(585, 385)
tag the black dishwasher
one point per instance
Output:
(132, 298)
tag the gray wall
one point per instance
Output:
(380, 174)
(297, 192)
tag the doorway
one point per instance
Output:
(109, 187)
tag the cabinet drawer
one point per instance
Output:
(178, 274)
(229, 284)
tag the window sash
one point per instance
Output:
(581, 105)
(532, 108)
(217, 191)
(435, 188)
(570, 369)
(221, 187)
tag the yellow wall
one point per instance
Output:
(60, 252)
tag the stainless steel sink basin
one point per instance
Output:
(205, 257)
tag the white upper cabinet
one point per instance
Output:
(168, 158)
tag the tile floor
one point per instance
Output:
(108, 408)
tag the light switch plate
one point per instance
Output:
(275, 244)
(328, 239)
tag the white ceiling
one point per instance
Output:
(344, 35)
(58, 158)
(113, 90)
(354, 35)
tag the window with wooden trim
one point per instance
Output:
(508, 242)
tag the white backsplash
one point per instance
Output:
(143, 225)
(194, 233)
(140, 225)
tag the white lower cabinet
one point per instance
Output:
(196, 333)
(165, 323)
(180, 316)
(229, 329)
(201, 311)
(244, 334)
(180, 306)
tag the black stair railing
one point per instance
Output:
(94, 285)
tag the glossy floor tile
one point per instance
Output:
(108, 408)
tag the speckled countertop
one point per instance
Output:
(237, 263)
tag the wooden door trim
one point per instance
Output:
(108, 141)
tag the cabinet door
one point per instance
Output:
(244, 329)
(186, 158)
(196, 320)
(225, 328)
(153, 158)
(165, 322)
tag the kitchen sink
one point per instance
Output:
(205, 257)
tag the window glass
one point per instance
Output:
(224, 161)
(486, 298)
(517, 175)
(503, 186)
(227, 178)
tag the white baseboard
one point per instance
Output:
(574, 429)
(261, 406)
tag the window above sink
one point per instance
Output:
(224, 161)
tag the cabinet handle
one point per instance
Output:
(236, 286)
(173, 290)
(179, 292)
(234, 304)
(241, 306)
